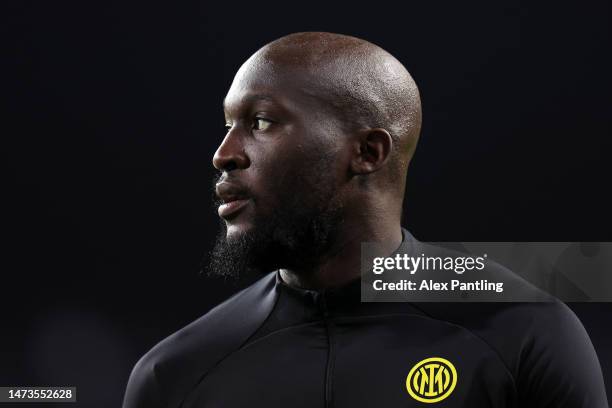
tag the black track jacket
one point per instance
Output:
(272, 345)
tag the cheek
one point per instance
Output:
(272, 175)
(295, 174)
(309, 184)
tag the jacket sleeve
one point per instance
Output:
(559, 367)
(143, 390)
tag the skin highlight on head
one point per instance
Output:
(321, 129)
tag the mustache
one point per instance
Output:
(221, 177)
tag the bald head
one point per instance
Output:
(320, 130)
(363, 84)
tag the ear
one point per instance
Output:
(372, 150)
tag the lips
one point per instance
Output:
(234, 199)
(225, 210)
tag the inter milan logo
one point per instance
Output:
(431, 380)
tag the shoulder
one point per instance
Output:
(558, 363)
(169, 370)
(543, 345)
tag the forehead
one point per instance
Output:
(267, 83)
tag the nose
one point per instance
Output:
(230, 154)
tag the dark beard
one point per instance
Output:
(294, 237)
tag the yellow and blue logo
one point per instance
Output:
(431, 380)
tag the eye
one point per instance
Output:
(261, 124)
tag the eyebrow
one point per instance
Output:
(253, 98)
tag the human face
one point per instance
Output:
(280, 153)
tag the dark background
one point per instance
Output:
(112, 112)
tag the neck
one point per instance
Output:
(342, 263)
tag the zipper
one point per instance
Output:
(330, 350)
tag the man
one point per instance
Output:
(320, 131)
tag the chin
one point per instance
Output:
(235, 231)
